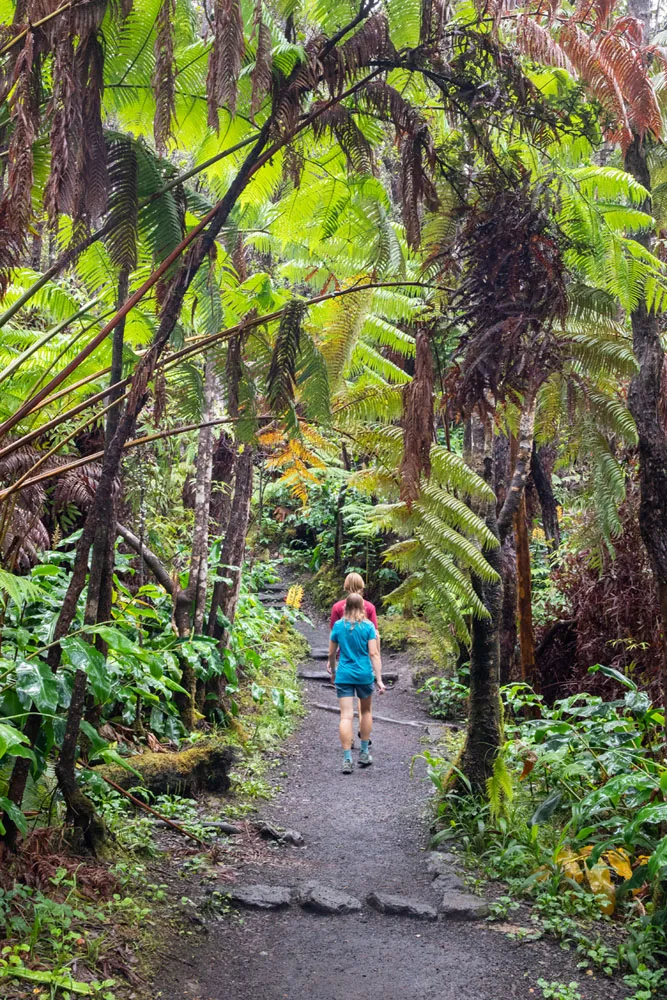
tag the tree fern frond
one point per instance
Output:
(433, 530)
(281, 381)
(450, 470)
(122, 205)
(455, 513)
(611, 414)
(312, 381)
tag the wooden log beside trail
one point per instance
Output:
(204, 767)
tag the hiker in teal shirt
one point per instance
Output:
(359, 666)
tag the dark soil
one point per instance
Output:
(362, 831)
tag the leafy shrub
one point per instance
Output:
(447, 697)
(582, 833)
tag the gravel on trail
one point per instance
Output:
(363, 833)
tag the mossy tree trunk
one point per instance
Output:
(484, 728)
(484, 734)
(190, 603)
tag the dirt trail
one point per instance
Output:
(365, 831)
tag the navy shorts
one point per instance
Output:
(349, 690)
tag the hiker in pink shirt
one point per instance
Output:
(354, 584)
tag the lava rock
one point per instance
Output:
(271, 832)
(440, 863)
(322, 899)
(400, 906)
(444, 883)
(262, 897)
(462, 906)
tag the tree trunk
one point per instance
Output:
(225, 594)
(508, 630)
(203, 497)
(503, 459)
(644, 401)
(80, 810)
(160, 572)
(116, 373)
(339, 536)
(224, 458)
(522, 464)
(524, 594)
(484, 734)
(540, 461)
(195, 255)
(190, 604)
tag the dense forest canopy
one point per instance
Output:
(373, 285)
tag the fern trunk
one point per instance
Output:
(226, 590)
(524, 593)
(484, 735)
(644, 401)
(509, 669)
(190, 604)
(540, 463)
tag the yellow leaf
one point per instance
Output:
(567, 861)
(599, 879)
(619, 860)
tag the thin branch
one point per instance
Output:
(134, 443)
(159, 570)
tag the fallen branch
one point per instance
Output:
(376, 718)
(143, 805)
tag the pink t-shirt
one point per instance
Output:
(338, 611)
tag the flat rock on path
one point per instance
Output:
(323, 899)
(262, 897)
(463, 906)
(399, 906)
(363, 833)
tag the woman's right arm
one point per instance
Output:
(376, 661)
(331, 665)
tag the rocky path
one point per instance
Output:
(365, 838)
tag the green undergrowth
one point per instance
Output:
(415, 636)
(573, 825)
(326, 587)
(72, 926)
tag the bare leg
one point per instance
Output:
(365, 718)
(346, 722)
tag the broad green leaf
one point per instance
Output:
(10, 737)
(85, 657)
(546, 809)
(35, 683)
(615, 674)
(14, 813)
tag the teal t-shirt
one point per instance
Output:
(354, 665)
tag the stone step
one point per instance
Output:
(319, 654)
(323, 899)
(457, 905)
(399, 906)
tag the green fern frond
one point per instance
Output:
(455, 513)
(434, 530)
(450, 470)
